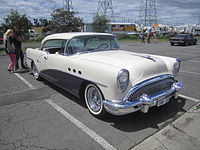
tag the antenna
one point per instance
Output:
(68, 5)
(104, 7)
(148, 13)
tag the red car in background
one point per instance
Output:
(1, 37)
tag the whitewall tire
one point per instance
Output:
(94, 100)
(35, 72)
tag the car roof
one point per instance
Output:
(71, 35)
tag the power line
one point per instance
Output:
(148, 13)
(68, 5)
(105, 7)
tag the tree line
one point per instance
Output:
(61, 21)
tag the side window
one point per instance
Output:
(54, 43)
(53, 46)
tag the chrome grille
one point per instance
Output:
(152, 88)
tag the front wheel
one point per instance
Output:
(35, 72)
(94, 100)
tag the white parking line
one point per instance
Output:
(189, 72)
(189, 98)
(83, 127)
(76, 122)
(193, 61)
(25, 81)
(179, 54)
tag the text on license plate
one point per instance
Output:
(163, 101)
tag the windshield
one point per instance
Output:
(91, 43)
(181, 35)
(1, 35)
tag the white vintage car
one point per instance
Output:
(93, 67)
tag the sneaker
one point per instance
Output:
(24, 68)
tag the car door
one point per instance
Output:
(62, 71)
(53, 49)
(59, 68)
(191, 39)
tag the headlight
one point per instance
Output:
(123, 80)
(176, 69)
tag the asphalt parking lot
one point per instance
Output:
(36, 115)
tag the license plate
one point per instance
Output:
(163, 102)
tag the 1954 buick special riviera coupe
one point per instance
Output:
(93, 67)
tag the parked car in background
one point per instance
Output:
(1, 37)
(183, 39)
(93, 67)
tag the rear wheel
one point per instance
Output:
(172, 44)
(35, 72)
(94, 100)
(186, 43)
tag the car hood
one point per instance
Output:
(139, 65)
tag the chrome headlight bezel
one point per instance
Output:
(176, 67)
(123, 80)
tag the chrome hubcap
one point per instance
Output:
(94, 99)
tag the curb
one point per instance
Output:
(179, 134)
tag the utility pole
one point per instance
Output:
(199, 21)
(104, 7)
(68, 5)
(148, 13)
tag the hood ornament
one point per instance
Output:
(147, 57)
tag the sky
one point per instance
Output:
(171, 12)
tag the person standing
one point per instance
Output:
(149, 36)
(155, 37)
(18, 38)
(143, 36)
(10, 48)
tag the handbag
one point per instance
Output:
(10, 48)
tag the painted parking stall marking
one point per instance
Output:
(25, 81)
(189, 98)
(189, 72)
(76, 122)
(83, 127)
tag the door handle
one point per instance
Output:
(45, 57)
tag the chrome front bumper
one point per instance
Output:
(143, 103)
